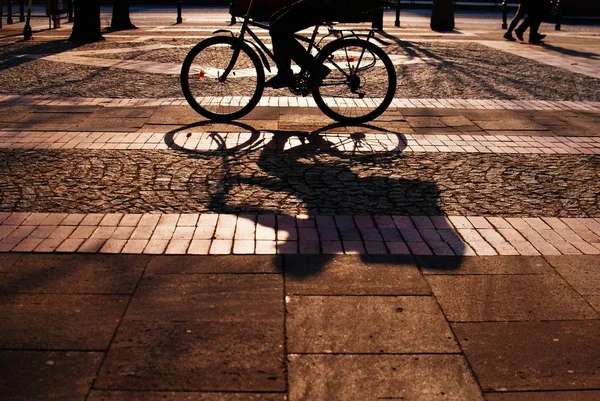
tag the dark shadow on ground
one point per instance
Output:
(314, 169)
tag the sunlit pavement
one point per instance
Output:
(449, 250)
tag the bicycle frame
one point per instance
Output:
(262, 49)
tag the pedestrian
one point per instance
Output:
(521, 11)
(535, 13)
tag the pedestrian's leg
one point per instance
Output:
(520, 30)
(518, 16)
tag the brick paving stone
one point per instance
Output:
(476, 265)
(213, 264)
(143, 232)
(122, 233)
(317, 324)
(35, 219)
(47, 375)
(199, 247)
(135, 246)
(266, 247)
(508, 298)
(177, 246)
(287, 247)
(73, 219)
(59, 321)
(27, 245)
(92, 219)
(83, 232)
(221, 247)
(391, 377)
(70, 245)
(113, 246)
(532, 355)
(130, 220)
(353, 275)
(16, 219)
(91, 245)
(241, 247)
(156, 246)
(111, 219)
(43, 232)
(111, 395)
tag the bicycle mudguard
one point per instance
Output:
(261, 54)
(224, 31)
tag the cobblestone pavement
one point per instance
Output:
(147, 254)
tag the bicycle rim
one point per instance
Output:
(362, 82)
(213, 97)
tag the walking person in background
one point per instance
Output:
(521, 11)
(535, 14)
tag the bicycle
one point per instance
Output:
(223, 77)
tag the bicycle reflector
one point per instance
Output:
(351, 59)
(201, 75)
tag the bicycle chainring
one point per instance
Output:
(300, 85)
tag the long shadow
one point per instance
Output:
(329, 172)
(571, 52)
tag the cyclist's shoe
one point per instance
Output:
(280, 81)
(316, 79)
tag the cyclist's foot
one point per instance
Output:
(280, 81)
(317, 78)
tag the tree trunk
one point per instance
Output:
(86, 27)
(442, 15)
(120, 17)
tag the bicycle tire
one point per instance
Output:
(222, 101)
(319, 93)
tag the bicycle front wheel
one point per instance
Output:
(362, 82)
(210, 95)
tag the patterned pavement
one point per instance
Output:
(146, 254)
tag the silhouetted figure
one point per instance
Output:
(533, 21)
(521, 11)
(284, 24)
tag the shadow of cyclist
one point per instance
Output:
(335, 190)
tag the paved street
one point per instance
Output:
(449, 250)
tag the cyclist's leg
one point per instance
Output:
(292, 19)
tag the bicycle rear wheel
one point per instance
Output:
(362, 82)
(232, 98)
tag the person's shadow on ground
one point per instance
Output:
(337, 172)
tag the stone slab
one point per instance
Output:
(381, 377)
(58, 321)
(508, 298)
(128, 112)
(582, 272)
(544, 396)
(240, 298)
(594, 300)
(211, 355)
(100, 395)
(353, 275)
(116, 124)
(84, 274)
(483, 265)
(346, 325)
(174, 115)
(533, 355)
(7, 260)
(214, 264)
(34, 375)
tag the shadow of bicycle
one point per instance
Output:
(337, 190)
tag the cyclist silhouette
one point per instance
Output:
(288, 21)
